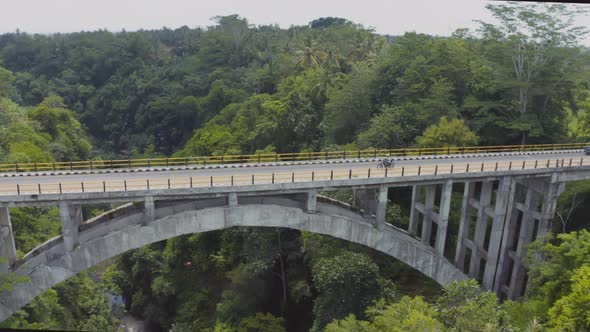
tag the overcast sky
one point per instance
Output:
(437, 17)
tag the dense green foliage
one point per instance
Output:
(77, 304)
(234, 87)
(447, 133)
(237, 88)
(45, 133)
(216, 279)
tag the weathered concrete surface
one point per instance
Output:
(443, 216)
(7, 248)
(55, 264)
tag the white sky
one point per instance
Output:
(437, 17)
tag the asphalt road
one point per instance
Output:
(241, 171)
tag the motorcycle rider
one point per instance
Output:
(387, 162)
(390, 162)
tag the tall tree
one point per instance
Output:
(534, 40)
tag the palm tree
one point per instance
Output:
(325, 81)
(367, 47)
(534, 326)
(332, 59)
(311, 56)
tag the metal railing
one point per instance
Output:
(272, 157)
(282, 177)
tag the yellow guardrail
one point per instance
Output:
(283, 177)
(274, 157)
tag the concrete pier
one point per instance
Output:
(71, 218)
(7, 247)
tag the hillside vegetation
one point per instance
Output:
(237, 88)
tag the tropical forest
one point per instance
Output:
(236, 88)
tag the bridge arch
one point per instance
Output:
(124, 229)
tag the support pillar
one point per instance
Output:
(551, 194)
(414, 213)
(480, 229)
(232, 200)
(428, 206)
(366, 201)
(7, 247)
(358, 199)
(371, 202)
(464, 225)
(312, 201)
(505, 262)
(443, 216)
(525, 236)
(71, 218)
(503, 198)
(150, 209)
(381, 207)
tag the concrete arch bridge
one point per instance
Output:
(502, 210)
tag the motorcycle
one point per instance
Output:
(386, 163)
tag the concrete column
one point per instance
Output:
(358, 199)
(505, 263)
(443, 216)
(232, 200)
(428, 206)
(71, 218)
(551, 194)
(7, 247)
(372, 202)
(312, 201)
(525, 236)
(381, 207)
(480, 229)
(502, 199)
(150, 209)
(414, 213)
(464, 225)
